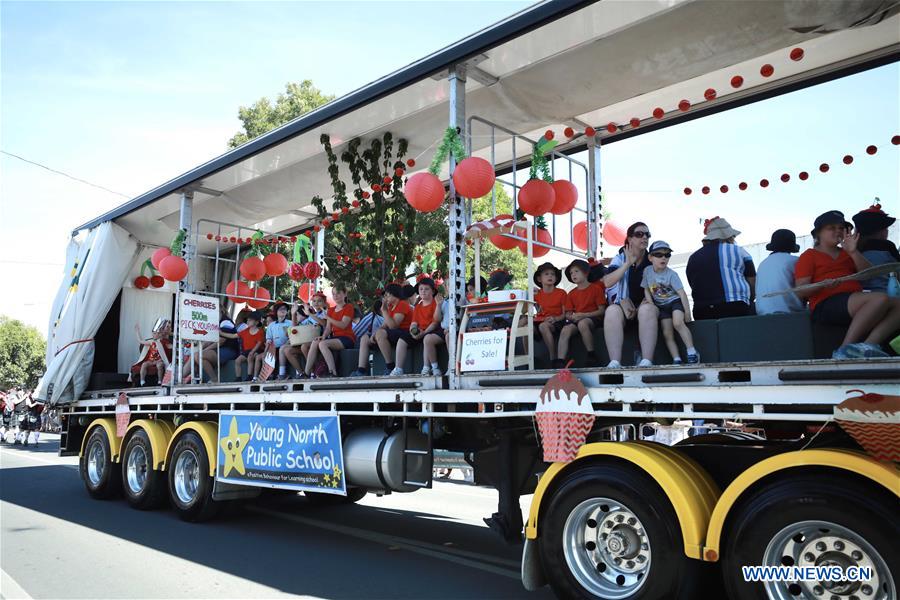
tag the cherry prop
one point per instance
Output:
(345, 209)
(173, 268)
(658, 113)
(473, 177)
(235, 289)
(305, 291)
(797, 54)
(569, 132)
(157, 281)
(870, 150)
(261, 298)
(539, 235)
(684, 106)
(579, 235)
(366, 195)
(276, 264)
(536, 197)
(376, 188)
(355, 204)
(824, 167)
(614, 234)
(312, 270)
(253, 268)
(566, 197)
(688, 191)
(424, 192)
(142, 282)
(737, 81)
(848, 159)
(158, 255)
(501, 241)
(386, 179)
(399, 171)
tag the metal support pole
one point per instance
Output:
(457, 218)
(320, 253)
(595, 246)
(188, 251)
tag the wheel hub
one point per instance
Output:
(137, 469)
(96, 463)
(187, 476)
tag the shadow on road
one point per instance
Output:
(293, 557)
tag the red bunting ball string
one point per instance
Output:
(688, 191)
(848, 159)
(824, 167)
(590, 132)
(569, 132)
(724, 189)
(870, 150)
(710, 94)
(763, 183)
(658, 113)
(742, 186)
(635, 122)
(737, 81)
(612, 127)
(705, 189)
(803, 175)
(797, 54)
(785, 177)
(684, 105)
(767, 70)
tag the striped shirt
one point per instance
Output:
(718, 274)
(368, 324)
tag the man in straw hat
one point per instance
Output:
(721, 274)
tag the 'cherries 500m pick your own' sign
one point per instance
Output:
(198, 318)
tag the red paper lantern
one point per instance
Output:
(538, 235)
(635, 122)
(684, 105)
(824, 167)
(234, 289)
(158, 255)
(612, 127)
(688, 191)
(276, 264)
(173, 268)
(312, 270)
(590, 132)
(614, 234)
(141, 282)
(797, 54)
(737, 81)
(579, 235)
(536, 197)
(295, 271)
(305, 291)
(157, 281)
(766, 70)
(566, 196)
(569, 132)
(803, 175)
(424, 192)
(870, 150)
(502, 242)
(709, 94)
(848, 159)
(658, 113)
(261, 298)
(473, 177)
(253, 268)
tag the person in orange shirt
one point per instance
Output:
(870, 317)
(425, 328)
(550, 318)
(338, 332)
(397, 315)
(584, 308)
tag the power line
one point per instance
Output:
(79, 180)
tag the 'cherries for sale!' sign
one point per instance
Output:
(198, 318)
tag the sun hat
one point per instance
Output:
(547, 266)
(579, 264)
(783, 240)
(718, 228)
(832, 217)
(872, 220)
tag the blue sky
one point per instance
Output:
(128, 95)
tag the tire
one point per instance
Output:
(354, 495)
(190, 485)
(783, 518)
(599, 495)
(143, 487)
(101, 477)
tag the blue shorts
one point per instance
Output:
(399, 334)
(226, 354)
(347, 342)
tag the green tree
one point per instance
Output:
(22, 350)
(263, 115)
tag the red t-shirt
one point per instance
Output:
(586, 300)
(423, 314)
(549, 304)
(337, 315)
(402, 314)
(249, 340)
(820, 266)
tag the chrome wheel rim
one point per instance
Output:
(824, 544)
(606, 548)
(187, 476)
(96, 462)
(136, 469)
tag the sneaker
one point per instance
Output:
(614, 364)
(426, 370)
(645, 362)
(693, 359)
(677, 361)
(873, 351)
(397, 371)
(436, 373)
(358, 373)
(851, 351)
(842, 353)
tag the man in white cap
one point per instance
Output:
(721, 274)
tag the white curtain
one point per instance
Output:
(104, 261)
(69, 270)
(141, 308)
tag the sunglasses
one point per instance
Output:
(641, 234)
(661, 254)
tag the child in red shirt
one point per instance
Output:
(550, 318)
(424, 328)
(584, 308)
(397, 315)
(253, 338)
(338, 332)
(870, 317)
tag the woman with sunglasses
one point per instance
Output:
(626, 298)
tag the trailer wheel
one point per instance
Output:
(814, 520)
(101, 477)
(144, 488)
(190, 485)
(354, 495)
(611, 533)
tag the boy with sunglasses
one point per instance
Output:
(663, 287)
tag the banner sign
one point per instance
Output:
(484, 350)
(198, 318)
(270, 449)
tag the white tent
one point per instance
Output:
(88, 291)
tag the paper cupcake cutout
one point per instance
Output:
(564, 417)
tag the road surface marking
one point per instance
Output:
(6, 452)
(424, 548)
(10, 590)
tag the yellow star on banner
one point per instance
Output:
(337, 471)
(234, 445)
(327, 480)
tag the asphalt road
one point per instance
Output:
(59, 543)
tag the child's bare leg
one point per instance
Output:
(384, 344)
(866, 311)
(325, 348)
(564, 336)
(586, 328)
(401, 352)
(291, 354)
(144, 371)
(160, 369)
(669, 336)
(363, 362)
(429, 348)
(237, 365)
(546, 330)
(313, 355)
(888, 325)
(682, 328)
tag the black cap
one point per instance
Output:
(498, 279)
(482, 281)
(832, 217)
(394, 290)
(872, 220)
(409, 291)
(580, 264)
(547, 266)
(783, 240)
(256, 315)
(598, 271)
